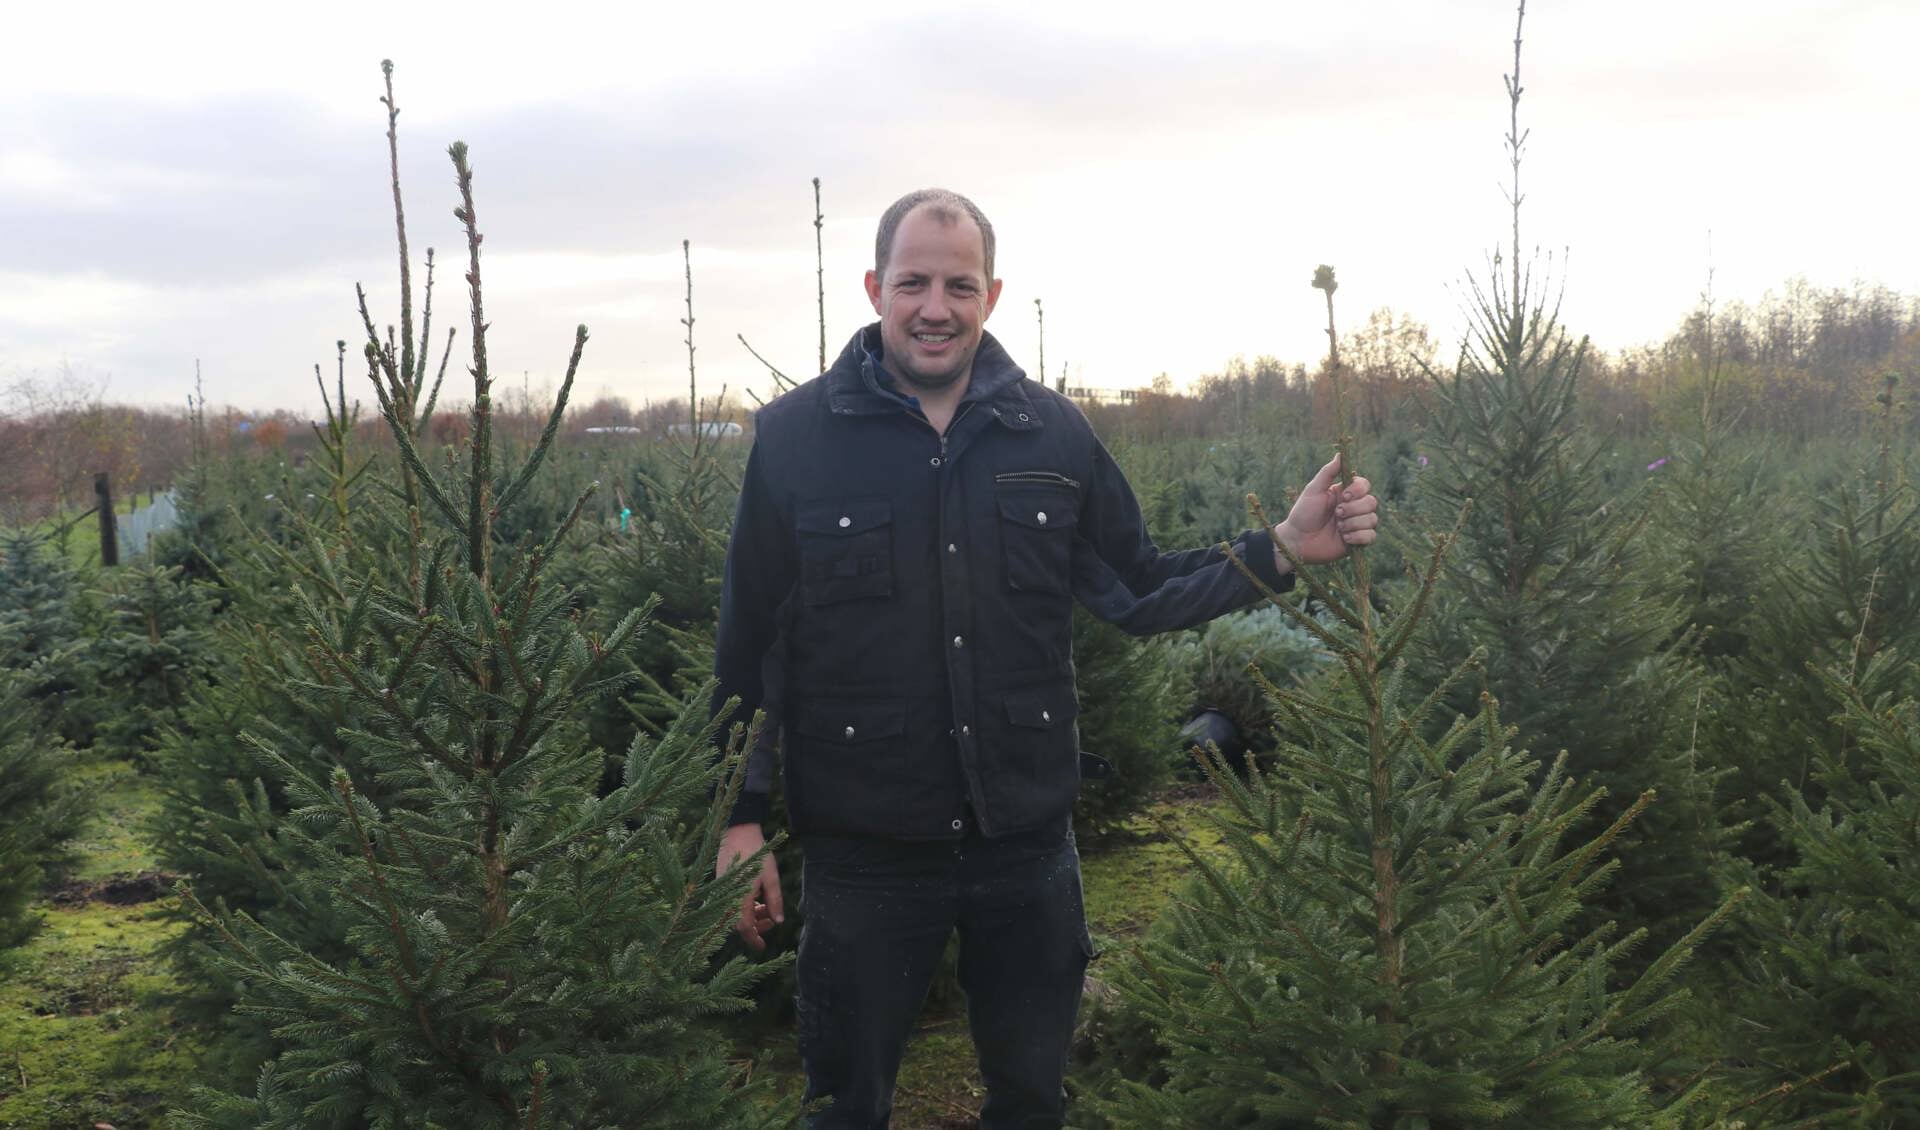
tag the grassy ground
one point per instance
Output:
(85, 1035)
(1127, 879)
(82, 534)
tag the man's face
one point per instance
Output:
(933, 299)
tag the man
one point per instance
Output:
(913, 528)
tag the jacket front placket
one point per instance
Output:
(965, 540)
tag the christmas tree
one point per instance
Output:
(1845, 596)
(1715, 517)
(1582, 641)
(40, 629)
(521, 949)
(150, 654)
(37, 814)
(1828, 992)
(1394, 939)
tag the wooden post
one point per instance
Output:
(109, 544)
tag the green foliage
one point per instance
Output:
(1548, 576)
(518, 947)
(1395, 938)
(1716, 524)
(673, 552)
(1585, 643)
(1829, 990)
(38, 812)
(40, 628)
(1233, 660)
(150, 654)
(1849, 593)
(223, 808)
(1133, 694)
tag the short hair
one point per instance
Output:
(947, 206)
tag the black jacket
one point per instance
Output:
(900, 603)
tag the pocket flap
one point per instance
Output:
(851, 722)
(1040, 510)
(843, 517)
(1039, 711)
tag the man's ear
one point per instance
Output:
(993, 299)
(873, 289)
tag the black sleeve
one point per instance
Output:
(760, 572)
(1124, 579)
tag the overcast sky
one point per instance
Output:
(209, 180)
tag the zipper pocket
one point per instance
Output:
(1037, 477)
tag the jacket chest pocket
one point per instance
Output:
(1036, 535)
(846, 549)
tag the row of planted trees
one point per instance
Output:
(445, 798)
(1583, 735)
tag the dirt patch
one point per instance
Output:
(115, 890)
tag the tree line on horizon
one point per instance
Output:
(1802, 363)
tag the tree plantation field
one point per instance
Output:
(385, 790)
(1737, 644)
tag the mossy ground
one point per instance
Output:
(1127, 878)
(86, 1036)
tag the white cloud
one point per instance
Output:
(211, 181)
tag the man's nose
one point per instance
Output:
(937, 304)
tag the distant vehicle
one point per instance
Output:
(712, 429)
(614, 430)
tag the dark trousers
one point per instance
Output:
(878, 916)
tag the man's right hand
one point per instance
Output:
(762, 908)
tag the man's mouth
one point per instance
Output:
(932, 339)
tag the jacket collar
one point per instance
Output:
(853, 387)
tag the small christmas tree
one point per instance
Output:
(1850, 594)
(1393, 940)
(1828, 995)
(521, 950)
(37, 812)
(1583, 642)
(150, 654)
(1715, 517)
(40, 628)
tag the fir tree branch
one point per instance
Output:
(550, 432)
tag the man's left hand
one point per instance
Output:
(1327, 518)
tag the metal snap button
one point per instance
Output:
(1045, 716)
(849, 731)
(952, 548)
(845, 521)
(959, 641)
(966, 729)
(1041, 517)
(1023, 417)
(935, 461)
(957, 825)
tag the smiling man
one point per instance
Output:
(914, 526)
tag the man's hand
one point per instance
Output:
(762, 907)
(1327, 519)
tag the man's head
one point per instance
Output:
(933, 286)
